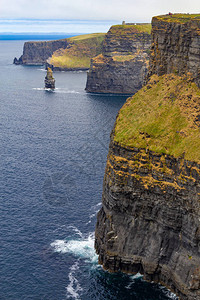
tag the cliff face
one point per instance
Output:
(77, 56)
(36, 53)
(72, 53)
(175, 45)
(153, 230)
(124, 60)
(150, 216)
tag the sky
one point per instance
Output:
(56, 15)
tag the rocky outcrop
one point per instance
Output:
(49, 80)
(36, 53)
(149, 222)
(122, 66)
(176, 45)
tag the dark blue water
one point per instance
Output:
(36, 36)
(53, 154)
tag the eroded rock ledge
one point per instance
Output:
(150, 219)
(36, 53)
(176, 45)
(122, 66)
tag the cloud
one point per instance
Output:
(130, 10)
(61, 26)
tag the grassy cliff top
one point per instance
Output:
(78, 55)
(178, 18)
(164, 117)
(128, 29)
(89, 36)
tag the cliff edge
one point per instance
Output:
(72, 53)
(78, 54)
(122, 66)
(36, 53)
(150, 216)
(176, 45)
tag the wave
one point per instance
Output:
(76, 230)
(39, 89)
(57, 90)
(74, 286)
(94, 210)
(63, 91)
(81, 248)
(43, 70)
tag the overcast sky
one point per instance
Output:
(116, 10)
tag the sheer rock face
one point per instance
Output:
(175, 47)
(36, 53)
(153, 229)
(150, 216)
(122, 66)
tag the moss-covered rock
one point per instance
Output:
(164, 116)
(49, 80)
(78, 53)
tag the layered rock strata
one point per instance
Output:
(49, 80)
(176, 45)
(150, 216)
(36, 53)
(68, 54)
(78, 55)
(122, 66)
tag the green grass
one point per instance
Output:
(163, 117)
(83, 48)
(124, 29)
(179, 18)
(144, 28)
(87, 36)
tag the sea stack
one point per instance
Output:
(49, 80)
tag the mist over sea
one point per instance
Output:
(53, 154)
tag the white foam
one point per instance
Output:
(76, 230)
(57, 90)
(136, 276)
(39, 89)
(95, 210)
(73, 287)
(63, 91)
(82, 248)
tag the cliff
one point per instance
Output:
(122, 66)
(36, 53)
(78, 55)
(72, 53)
(176, 45)
(150, 216)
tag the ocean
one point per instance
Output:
(53, 155)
